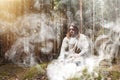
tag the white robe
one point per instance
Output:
(82, 43)
(69, 63)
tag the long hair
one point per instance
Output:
(74, 25)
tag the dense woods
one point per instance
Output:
(31, 31)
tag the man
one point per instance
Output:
(74, 45)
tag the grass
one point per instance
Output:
(34, 71)
(13, 72)
(103, 73)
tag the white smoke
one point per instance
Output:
(34, 32)
(107, 46)
(38, 4)
(63, 69)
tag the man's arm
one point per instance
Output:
(64, 48)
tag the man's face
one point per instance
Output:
(72, 31)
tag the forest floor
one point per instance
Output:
(13, 72)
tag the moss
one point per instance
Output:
(74, 79)
(30, 73)
(114, 75)
(9, 70)
(35, 71)
(13, 72)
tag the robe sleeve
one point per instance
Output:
(84, 45)
(64, 48)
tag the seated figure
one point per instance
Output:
(74, 51)
(74, 45)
